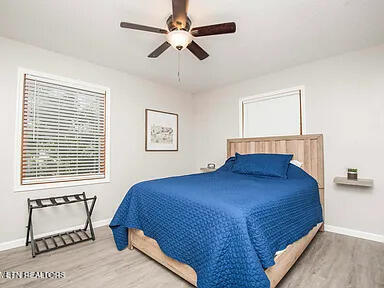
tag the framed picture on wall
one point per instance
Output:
(161, 131)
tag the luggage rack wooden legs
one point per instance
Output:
(64, 239)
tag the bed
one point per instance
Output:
(213, 236)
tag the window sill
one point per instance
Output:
(32, 187)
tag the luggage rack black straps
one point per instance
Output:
(63, 239)
(56, 201)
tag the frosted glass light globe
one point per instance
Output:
(179, 39)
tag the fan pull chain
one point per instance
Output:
(178, 67)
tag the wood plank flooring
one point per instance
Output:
(331, 261)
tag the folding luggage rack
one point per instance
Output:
(64, 239)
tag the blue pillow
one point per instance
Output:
(271, 165)
(227, 167)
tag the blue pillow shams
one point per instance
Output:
(227, 167)
(270, 165)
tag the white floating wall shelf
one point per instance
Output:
(358, 182)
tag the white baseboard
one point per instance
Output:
(354, 233)
(21, 242)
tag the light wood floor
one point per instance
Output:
(331, 261)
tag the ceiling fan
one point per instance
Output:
(179, 34)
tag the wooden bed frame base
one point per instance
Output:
(284, 261)
(307, 149)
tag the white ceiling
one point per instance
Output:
(272, 34)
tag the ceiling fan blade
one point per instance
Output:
(197, 50)
(180, 9)
(142, 28)
(159, 50)
(216, 29)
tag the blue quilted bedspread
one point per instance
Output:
(226, 226)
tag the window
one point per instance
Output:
(64, 133)
(273, 114)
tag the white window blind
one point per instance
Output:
(63, 132)
(273, 114)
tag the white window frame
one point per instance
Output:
(19, 122)
(272, 95)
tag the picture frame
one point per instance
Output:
(161, 131)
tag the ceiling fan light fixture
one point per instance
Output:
(179, 39)
(179, 32)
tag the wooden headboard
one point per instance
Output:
(308, 149)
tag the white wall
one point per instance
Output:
(344, 101)
(129, 163)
